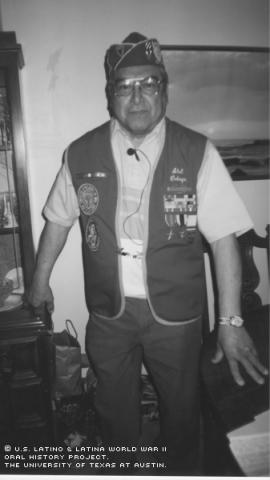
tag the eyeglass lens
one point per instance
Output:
(148, 86)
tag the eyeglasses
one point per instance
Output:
(148, 86)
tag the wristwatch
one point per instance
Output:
(233, 320)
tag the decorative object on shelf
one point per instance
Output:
(11, 289)
(6, 287)
(9, 219)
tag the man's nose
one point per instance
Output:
(136, 93)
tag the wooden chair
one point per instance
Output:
(227, 406)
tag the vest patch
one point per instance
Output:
(177, 176)
(88, 198)
(91, 236)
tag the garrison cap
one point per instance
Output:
(135, 50)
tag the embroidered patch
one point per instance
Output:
(177, 175)
(91, 236)
(88, 198)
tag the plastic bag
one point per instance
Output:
(68, 376)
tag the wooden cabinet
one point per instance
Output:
(26, 367)
(25, 338)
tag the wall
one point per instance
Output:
(64, 42)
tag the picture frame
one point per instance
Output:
(223, 92)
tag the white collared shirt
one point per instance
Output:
(134, 173)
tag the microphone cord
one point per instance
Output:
(142, 192)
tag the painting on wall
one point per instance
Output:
(224, 93)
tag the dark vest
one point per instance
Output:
(173, 262)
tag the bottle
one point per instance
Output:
(9, 219)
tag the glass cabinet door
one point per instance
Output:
(26, 349)
(11, 275)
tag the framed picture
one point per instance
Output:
(223, 92)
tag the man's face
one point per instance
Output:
(138, 112)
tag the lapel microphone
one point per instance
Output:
(132, 151)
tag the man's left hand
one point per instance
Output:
(238, 348)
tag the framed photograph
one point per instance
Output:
(223, 92)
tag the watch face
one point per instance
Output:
(237, 321)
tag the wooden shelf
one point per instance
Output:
(9, 230)
(6, 148)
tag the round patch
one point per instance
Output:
(91, 236)
(88, 198)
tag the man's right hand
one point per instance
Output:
(40, 298)
(52, 241)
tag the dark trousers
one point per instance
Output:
(117, 349)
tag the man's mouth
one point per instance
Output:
(138, 112)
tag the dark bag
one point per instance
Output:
(68, 377)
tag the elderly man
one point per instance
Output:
(145, 189)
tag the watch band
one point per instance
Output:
(233, 320)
